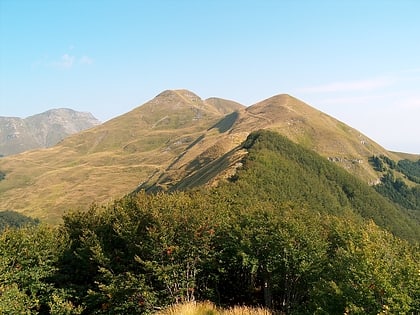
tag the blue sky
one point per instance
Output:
(358, 61)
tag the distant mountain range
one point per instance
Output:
(175, 141)
(42, 130)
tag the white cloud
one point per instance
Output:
(65, 62)
(85, 60)
(347, 86)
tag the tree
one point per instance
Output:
(369, 271)
(28, 259)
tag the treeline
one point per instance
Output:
(399, 192)
(277, 169)
(394, 187)
(260, 239)
(147, 252)
(410, 169)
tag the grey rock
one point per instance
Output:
(41, 130)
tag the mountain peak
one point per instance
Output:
(42, 130)
(276, 103)
(174, 140)
(65, 115)
(188, 96)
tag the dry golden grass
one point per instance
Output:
(108, 161)
(172, 141)
(193, 308)
(246, 310)
(208, 308)
(408, 156)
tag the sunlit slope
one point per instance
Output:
(174, 141)
(110, 160)
(303, 124)
(318, 131)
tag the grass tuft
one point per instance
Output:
(208, 308)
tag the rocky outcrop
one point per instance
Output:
(42, 130)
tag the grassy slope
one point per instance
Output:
(408, 156)
(176, 140)
(107, 161)
(320, 132)
(288, 116)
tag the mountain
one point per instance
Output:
(286, 115)
(42, 130)
(291, 231)
(279, 171)
(110, 160)
(280, 214)
(174, 141)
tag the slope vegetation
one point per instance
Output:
(286, 115)
(109, 160)
(290, 231)
(174, 141)
(281, 171)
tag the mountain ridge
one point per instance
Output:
(299, 122)
(174, 140)
(41, 130)
(110, 160)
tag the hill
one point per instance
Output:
(174, 141)
(286, 115)
(110, 160)
(42, 130)
(277, 170)
(290, 231)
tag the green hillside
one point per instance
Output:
(290, 230)
(284, 114)
(174, 141)
(281, 171)
(400, 182)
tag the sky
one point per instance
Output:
(356, 60)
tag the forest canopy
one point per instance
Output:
(290, 231)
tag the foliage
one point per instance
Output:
(2, 175)
(291, 232)
(277, 169)
(14, 301)
(382, 162)
(27, 266)
(15, 220)
(399, 192)
(377, 163)
(395, 178)
(152, 251)
(369, 272)
(410, 169)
